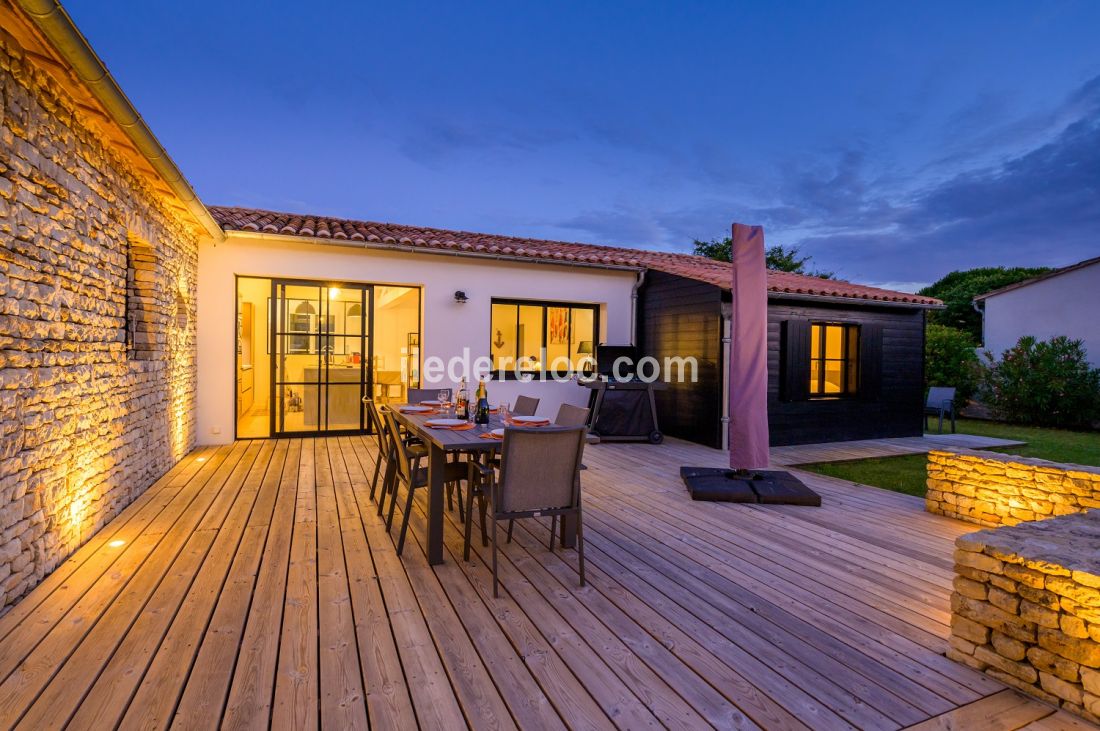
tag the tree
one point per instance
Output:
(1048, 383)
(778, 257)
(950, 359)
(958, 290)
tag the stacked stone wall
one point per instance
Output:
(994, 489)
(95, 405)
(1026, 609)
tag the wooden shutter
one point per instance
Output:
(870, 361)
(795, 366)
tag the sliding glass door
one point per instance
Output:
(321, 347)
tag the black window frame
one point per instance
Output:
(510, 374)
(847, 360)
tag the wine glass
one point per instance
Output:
(442, 396)
(502, 411)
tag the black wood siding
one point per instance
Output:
(893, 408)
(683, 317)
(679, 316)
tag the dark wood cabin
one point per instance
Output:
(838, 368)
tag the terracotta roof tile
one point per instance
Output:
(684, 265)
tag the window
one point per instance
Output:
(537, 337)
(834, 359)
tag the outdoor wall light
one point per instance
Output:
(461, 298)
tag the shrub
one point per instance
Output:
(950, 359)
(1048, 383)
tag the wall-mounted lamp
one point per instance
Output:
(461, 298)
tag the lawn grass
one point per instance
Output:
(907, 473)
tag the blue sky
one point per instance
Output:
(893, 143)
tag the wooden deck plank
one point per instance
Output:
(259, 589)
(250, 695)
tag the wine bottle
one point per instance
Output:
(482, 415)
(460, 400)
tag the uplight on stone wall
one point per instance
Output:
(993, 489)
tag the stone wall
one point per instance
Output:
(1002, 489)
(1026, 609)
(92, 409)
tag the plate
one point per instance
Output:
(431, 403)
(445, 422)
(414, 409)
(530, 420)
(497, 433)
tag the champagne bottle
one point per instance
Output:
(482, 416)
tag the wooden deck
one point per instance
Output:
(869, 448)
(255, 587)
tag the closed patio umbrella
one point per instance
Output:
(748, 376)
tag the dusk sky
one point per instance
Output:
(892, 143)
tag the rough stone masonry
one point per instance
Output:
(97, 327)
(1026, 608)
(1002, 489)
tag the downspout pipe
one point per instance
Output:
(634, 306)
(54, 23)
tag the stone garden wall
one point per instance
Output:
(97, 327)
(1026, 608)
(1002, 489)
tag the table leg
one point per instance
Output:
(437, 467)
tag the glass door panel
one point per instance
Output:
(322, 343)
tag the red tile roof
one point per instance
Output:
(399, 236)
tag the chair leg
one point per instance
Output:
(952, 421)
(941, 422)
(511, 525)
(377, 471)
(393, 505)
(468, 525)
(405, 521)
(496, 581)
(482, 506)
(553, 531)
(388, 479)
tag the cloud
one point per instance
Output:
(1038, 206)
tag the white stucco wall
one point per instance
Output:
(447, 326)
(1068, 304)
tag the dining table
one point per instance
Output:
(445, 441)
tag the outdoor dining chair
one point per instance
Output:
(941, 402)
(525, 406)
(570, 415)
(416, 395)
(539, 476)
(412, 476)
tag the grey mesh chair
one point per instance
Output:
(539, 476)
(378, 431)
(416, 395)
(941, 401)
(525, 406)
(570, 415)
(408, 472)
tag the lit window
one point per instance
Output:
(534, 337)
(834, 359)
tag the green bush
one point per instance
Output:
(1048, 383)
(950, 359)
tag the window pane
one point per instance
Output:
(834, 376)
(557, 339)
(582, 336)
(853, 359)
(530, 337)
(815, 340)
(815, 374)
(503, 345)
(834, 341)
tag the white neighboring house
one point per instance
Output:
(1062, 302)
